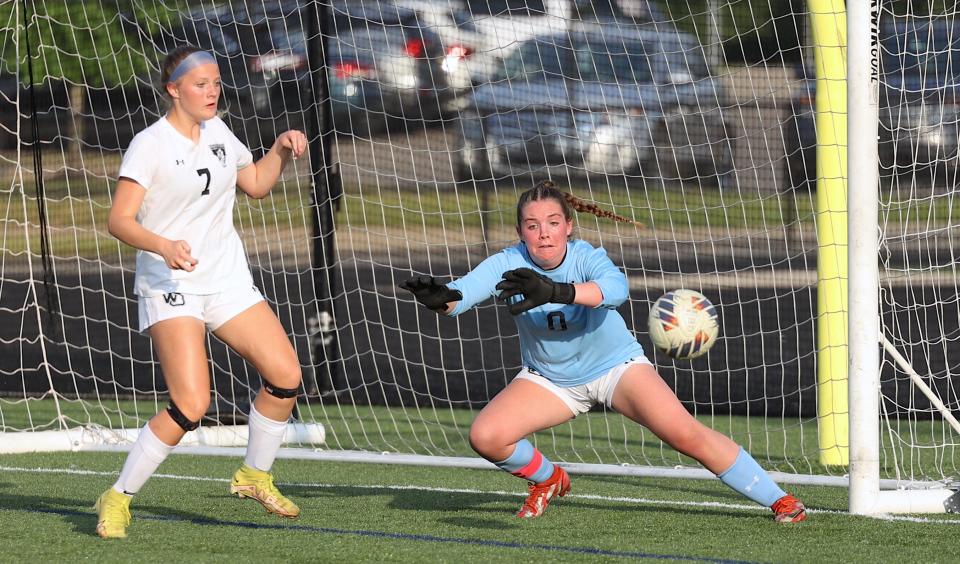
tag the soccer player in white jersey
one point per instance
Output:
(174, 202)
(577, 351)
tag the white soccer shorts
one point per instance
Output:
(213, 309)
(581, 398)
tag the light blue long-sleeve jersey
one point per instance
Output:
(568, 344)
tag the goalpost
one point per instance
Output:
(725, 139)
(870, 338)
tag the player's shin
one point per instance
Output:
(147, 454)
(113, 506)
(546, 480)
(746, 477)
(528, 463)
(266, 436)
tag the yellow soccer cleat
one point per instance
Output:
(258, 485)
(113, 514)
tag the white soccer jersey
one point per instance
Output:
(191, 191)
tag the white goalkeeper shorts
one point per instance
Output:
(213, 309)
(581, 398)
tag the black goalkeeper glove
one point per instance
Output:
(431, 293)
(536, 288)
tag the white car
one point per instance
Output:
(467, 58)
(477, 34)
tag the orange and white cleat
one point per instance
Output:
(788, 509)
(540, 494)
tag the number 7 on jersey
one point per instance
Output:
(205, 172)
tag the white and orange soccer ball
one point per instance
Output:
(683, 324)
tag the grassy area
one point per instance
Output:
(787, 445)
(77, 210)
(78, 220)
(382, 513)
(663, 209)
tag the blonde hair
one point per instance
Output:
(546, 189)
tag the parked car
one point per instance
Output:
(466, 58)
(919, 113)
(218, 30)
(477, 34)
(384, 67)
(919, 104)
(599, 99)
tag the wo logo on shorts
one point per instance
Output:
(174, 299)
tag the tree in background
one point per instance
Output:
(85, 46)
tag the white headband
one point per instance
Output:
(190, 62)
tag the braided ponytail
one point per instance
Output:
(591, 208)
(546, 189)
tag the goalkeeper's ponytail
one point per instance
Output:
(546, 189)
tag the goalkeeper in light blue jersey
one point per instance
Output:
(577, 351)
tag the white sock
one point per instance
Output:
(144, 458)
(266, 436)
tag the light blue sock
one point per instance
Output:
(748, 478)
(528, 463)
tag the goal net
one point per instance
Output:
(719, 126)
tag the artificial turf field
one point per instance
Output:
(367, 512)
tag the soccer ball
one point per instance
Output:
(683, 324)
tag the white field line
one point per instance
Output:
(387, 487)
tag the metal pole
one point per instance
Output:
(327, 190)
(864, 295)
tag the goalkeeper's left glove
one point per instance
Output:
(536, 288)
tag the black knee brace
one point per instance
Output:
(282, 393)
(180, 419)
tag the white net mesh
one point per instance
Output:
(693, 118)
(919, 64)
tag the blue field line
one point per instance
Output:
(410, 537)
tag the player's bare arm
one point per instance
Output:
(588, 294)
(123, 225)
(258, 179)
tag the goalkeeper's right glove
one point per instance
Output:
(431, 293)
